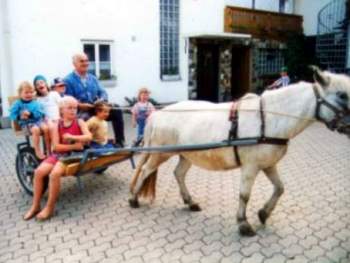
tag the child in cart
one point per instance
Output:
(29, 114)
(68, 135)
(49, 99)
(98, 126)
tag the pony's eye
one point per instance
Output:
(342, 95)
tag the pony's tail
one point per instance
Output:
(141, 162)
(148, 188)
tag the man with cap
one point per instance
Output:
(87, 90)
(283, 81)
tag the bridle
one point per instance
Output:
(339, 114)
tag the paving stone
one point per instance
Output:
(298, 259)
(310, 222)
(173, 255)
(154, 254)
(255, 258)
(213, 257)
(139, 251)
(293, 251)
(251, 249)
(271, 250)
(330, 243)
(338, 253)
(276, 259)
(314, 252)
(233, 258)
(323, 260)
(309, 242)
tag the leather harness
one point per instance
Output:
(320, 101)
(233, 133)
(339, 114)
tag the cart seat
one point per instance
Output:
(97, 163)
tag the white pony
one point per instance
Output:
(288, 111)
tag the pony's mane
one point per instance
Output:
(282, 96)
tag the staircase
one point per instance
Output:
(332, 35)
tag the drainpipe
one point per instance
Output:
(347, 20)
(6, 77)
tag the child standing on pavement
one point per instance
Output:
(29, 114)
(141, 111)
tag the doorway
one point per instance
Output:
(240, 71)
(208, 72)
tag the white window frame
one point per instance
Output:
(282, 6)
(96, 44)
(176, 76)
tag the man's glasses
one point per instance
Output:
(84, 61)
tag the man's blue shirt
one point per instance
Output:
(85, 91)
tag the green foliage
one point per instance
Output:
(298, 56)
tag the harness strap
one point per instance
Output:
(262, 118)
(234, 130)
(233, 134)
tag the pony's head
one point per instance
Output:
(333, 104)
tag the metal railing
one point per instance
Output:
(332, 36)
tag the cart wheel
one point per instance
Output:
(26, 163)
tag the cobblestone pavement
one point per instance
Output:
(311, 223)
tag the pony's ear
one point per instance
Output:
(319, 77)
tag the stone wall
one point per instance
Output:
(225, 60)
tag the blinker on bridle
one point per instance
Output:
(339, 114)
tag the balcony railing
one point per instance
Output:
(261, 24)
(332, 37)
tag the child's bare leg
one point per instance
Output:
(39, 175)
(36, 142)
(54, 190)
(46, 131)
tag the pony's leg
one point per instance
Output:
(272, 175)
(180, 173)
(248, 176)
(149, 169)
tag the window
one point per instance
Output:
(282, 6)
(99, 53)
(269, 61)
(169, 39)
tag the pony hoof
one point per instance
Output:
(263, 216)
(134, 203)
(246, 230)
(195, 208)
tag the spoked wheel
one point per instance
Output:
(26, 163)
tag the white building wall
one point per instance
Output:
(5, 54)
(309, 9)
(267, 5)
(199, 16)
(45, 34)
